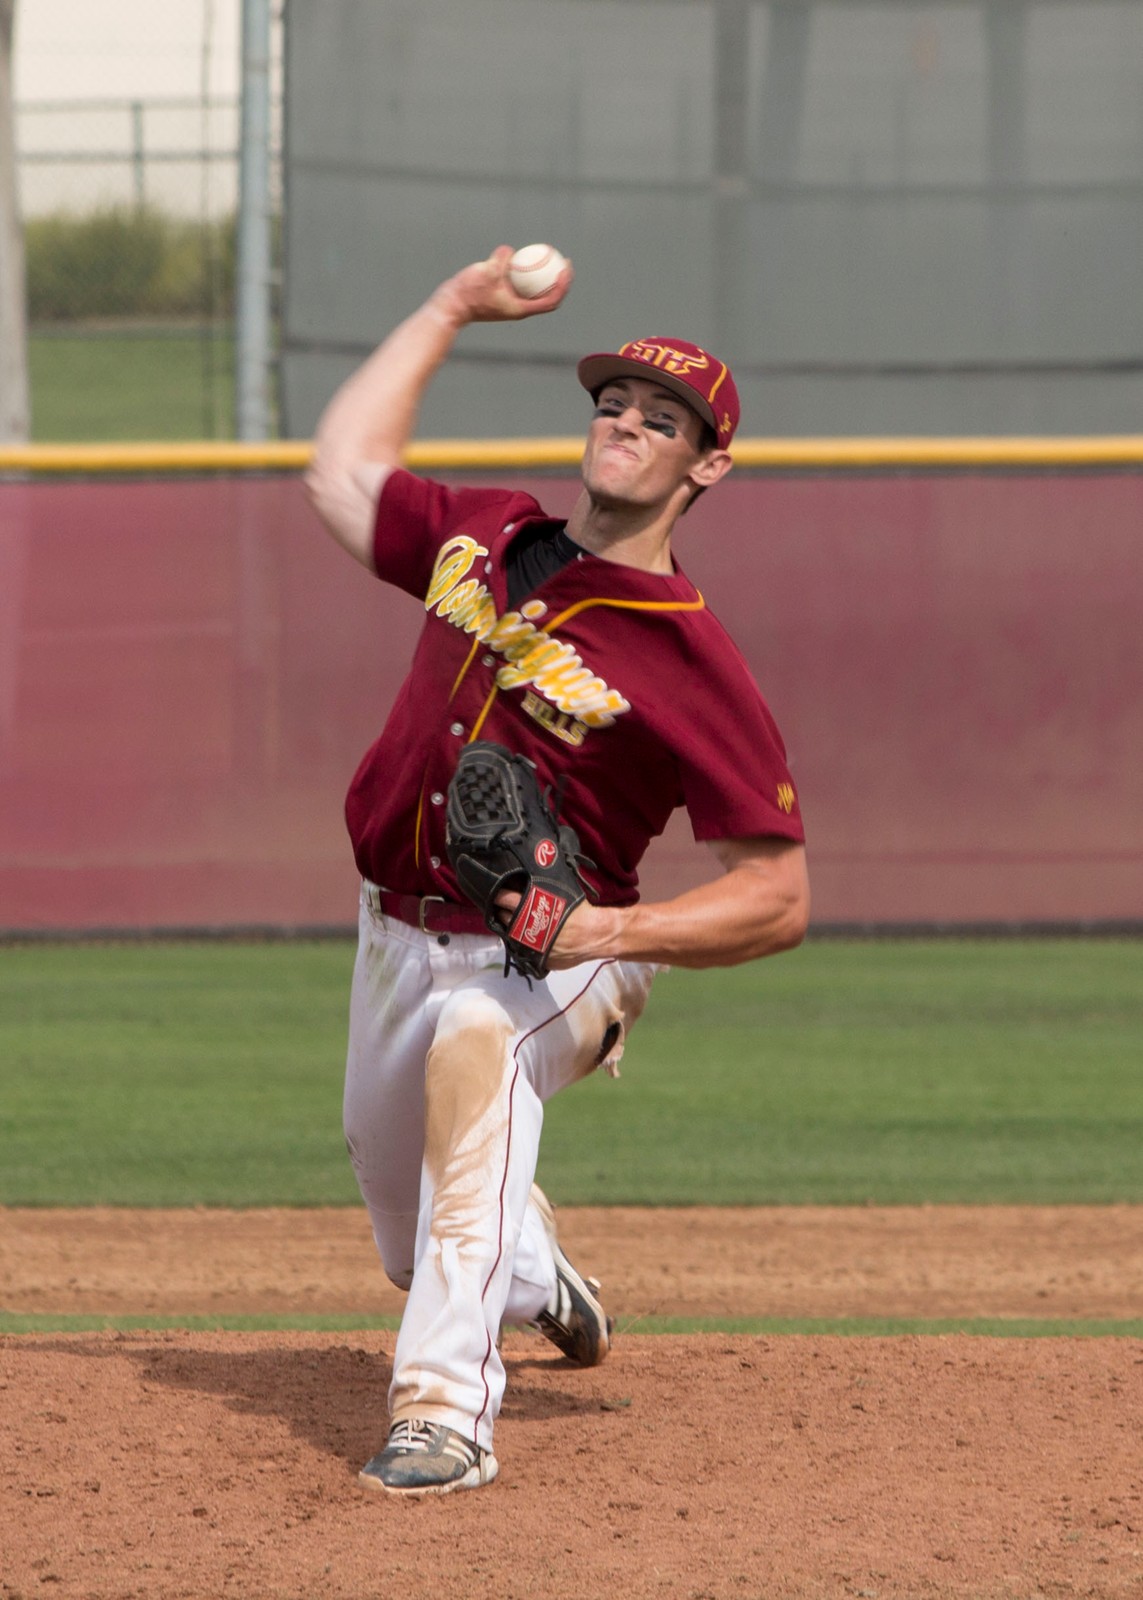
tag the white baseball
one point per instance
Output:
(533, 269)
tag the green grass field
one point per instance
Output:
(884, 1071)
(99, 385)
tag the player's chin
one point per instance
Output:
(613, 489)
(612, 469)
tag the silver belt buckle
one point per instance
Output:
(425, 899)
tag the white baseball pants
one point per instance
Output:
(449, 1066)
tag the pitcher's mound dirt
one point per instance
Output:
(177, 1464)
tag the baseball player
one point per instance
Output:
(582, 647)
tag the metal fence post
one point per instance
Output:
(13, 331)
(138, 156)
(252, 290)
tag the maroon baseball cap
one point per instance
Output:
(697, 377)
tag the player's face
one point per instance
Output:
(642, 445)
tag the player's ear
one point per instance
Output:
(710, 467)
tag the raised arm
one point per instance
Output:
(760, 906)
(364, 430)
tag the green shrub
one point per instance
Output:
(128, 262)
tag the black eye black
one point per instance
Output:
(668, 429)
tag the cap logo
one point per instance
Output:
(666, 358)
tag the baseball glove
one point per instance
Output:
(502, 834)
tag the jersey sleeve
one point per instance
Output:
(414, 517)
(732, 760)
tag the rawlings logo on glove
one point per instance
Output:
(502, 836)
(538, 919)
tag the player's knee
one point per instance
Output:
(471, 1038)
(467, 1064)
(471, 1015)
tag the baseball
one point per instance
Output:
(534, 269)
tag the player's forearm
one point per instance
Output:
(366, 427)
(759, 908)
(372, 416)
(364, 430)
(718, 925)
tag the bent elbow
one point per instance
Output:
(784, 929)
(321, 487)
(797, 925)
(795, 921)
(342, 504)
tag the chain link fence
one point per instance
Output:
(129, 210)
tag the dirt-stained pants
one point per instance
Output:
(449, 1066)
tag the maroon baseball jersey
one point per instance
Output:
(616, 681)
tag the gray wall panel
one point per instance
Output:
(799, 405)
(957, 278)
(917, 215)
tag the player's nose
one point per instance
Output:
(630, 420)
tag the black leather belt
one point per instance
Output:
(431, 913)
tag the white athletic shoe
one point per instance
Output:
(573, 1320)
(428, 1458)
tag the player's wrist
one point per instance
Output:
(448, 307)
(612, 931)
(634, 934)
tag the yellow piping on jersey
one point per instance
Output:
(484, 710)
(417, 827)
(464, 669)
(627, 605)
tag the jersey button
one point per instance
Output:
(488, 661)
(457, 729)
(437, 798)
(434, 862)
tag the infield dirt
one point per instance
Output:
(175, 1464)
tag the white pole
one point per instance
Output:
(13, 332)
(252, 355)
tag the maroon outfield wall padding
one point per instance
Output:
(189, 671)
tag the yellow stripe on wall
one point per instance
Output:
(83, 460)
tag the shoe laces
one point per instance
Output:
(412, 1434)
